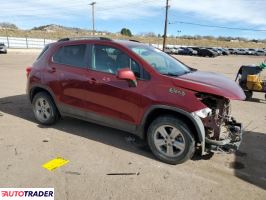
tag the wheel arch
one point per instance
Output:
(36, 89)
(194, 123)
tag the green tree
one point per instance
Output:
(125, 31)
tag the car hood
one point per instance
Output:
(211, 83)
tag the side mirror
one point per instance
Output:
(128, 75)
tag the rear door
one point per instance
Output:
(69, 66)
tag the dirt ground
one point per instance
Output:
(95, 151)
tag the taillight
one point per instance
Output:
(28, 69)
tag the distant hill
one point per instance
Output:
(54, 28)
(53, 31)
(4, 25)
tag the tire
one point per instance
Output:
(248, 94)
(44, 109)
(170, 140)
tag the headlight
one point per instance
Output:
(203, 113)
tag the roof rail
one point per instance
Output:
(83, 38)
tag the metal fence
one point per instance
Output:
(34, 43)
(25, 43)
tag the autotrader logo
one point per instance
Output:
(27, 193)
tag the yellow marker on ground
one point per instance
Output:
(55, 163)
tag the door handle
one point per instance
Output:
(51, 69)
(93, 81)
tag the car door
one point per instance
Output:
(69, 65)
(108, 99)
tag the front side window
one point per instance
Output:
(110, 59)
(73, 55)
(160, 61)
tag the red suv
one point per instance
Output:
(136, 88)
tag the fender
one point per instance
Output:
(196, 121)
(29, 92)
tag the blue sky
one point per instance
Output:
(142, 15)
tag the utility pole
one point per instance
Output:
(7, 39)
(165, 23)
(92, 6)
(178, 32)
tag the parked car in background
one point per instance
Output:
(139, 89)
(193, 52)
(207, 52)
(168, 50)
(224, 51)
(187, 51)
(232, 51)
(251, 52)
(3, 48)
(242, 52)
(176, 50)
(195, 48)
(260, 52)
(219, 53)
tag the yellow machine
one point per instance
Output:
(249, 79)
(254, 82)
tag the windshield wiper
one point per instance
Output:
(188, 72)
(170, 74)
(175, 74)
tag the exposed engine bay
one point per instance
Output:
(222, 131)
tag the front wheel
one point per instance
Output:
(170, 140)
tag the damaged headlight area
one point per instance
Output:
(222, 131)
(203, 113)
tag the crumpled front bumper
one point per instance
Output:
(231, 143)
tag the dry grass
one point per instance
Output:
(153, 40)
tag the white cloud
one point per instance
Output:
(246, 11)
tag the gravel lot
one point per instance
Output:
(95, 151)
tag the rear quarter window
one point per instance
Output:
(43, 51)
(73, 55)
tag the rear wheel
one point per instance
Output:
(44, 109)
(170, 140)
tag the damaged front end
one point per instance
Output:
(222, 132)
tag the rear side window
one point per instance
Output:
(43, 51)
(73, 55)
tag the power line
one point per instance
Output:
(214, 26)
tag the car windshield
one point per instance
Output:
(160, 61)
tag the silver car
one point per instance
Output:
(3, 48)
